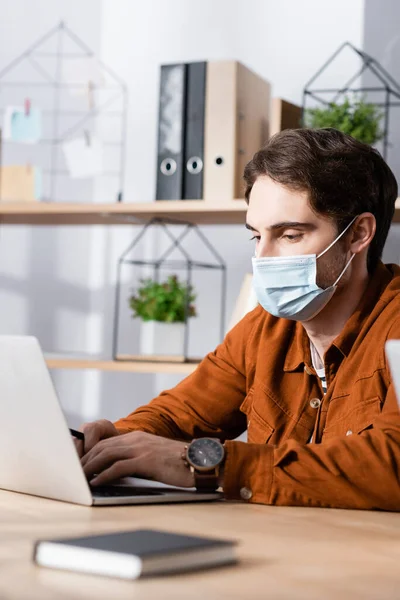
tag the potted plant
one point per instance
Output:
(357, 118)
(162, 308)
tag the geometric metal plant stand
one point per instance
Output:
(386, 86)
(185, 263)
(71, 103)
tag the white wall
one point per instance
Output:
(71, 272)
(44, 271)
(289, 40)
(264, 34)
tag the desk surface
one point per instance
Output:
(286, 553)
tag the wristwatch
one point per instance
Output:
(205, 456)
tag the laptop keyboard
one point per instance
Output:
(113, 491)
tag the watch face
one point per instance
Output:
(205, 453)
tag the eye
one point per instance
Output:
(255, 237)
(293, 237)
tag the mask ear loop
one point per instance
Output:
(344, 271)
(337, 239)
(334, 242)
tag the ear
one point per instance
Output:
(362, 232)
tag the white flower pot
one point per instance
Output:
(158, 338)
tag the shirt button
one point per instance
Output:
(349, 432)
(245, 493)
(307, 370)
(315, 403)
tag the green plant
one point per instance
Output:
(164, 302)
(356, 118)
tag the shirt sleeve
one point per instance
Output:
(359, 471)
(207, 403)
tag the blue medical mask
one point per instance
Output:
(286, 286)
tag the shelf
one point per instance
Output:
(229, 212)
(121, 366)
(200, 212)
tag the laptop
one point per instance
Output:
(38, 455)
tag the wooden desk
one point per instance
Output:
(286, 553)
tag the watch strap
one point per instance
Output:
(206, 481)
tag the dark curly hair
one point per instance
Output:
(343, 177)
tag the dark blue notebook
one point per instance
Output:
(134, 554)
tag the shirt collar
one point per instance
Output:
(298, 352)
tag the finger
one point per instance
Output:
(92, 432)
(133, 437)
(99, 447)
(121, 468)
(99, 430)
(105, 459)
(130, 440)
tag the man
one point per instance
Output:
(305, 372)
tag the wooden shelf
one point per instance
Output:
(229, 212)
(200, 212)
(121, 366)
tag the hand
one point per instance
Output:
(139, 454)
(94, 432)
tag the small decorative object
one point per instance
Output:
(162, 301)
(355, 117)
(361, 107)
(163, 308)
(57, 96)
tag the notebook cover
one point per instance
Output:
(144, 542)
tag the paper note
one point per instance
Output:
(84, 157)
(20, 183)
(22, 126)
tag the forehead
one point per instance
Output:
(271, 202)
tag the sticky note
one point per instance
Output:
(20, 126)
(20, 183)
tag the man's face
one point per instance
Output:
(283, 224)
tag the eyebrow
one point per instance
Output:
(248, 226)
(285, 225)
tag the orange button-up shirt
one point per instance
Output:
(261, 378)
